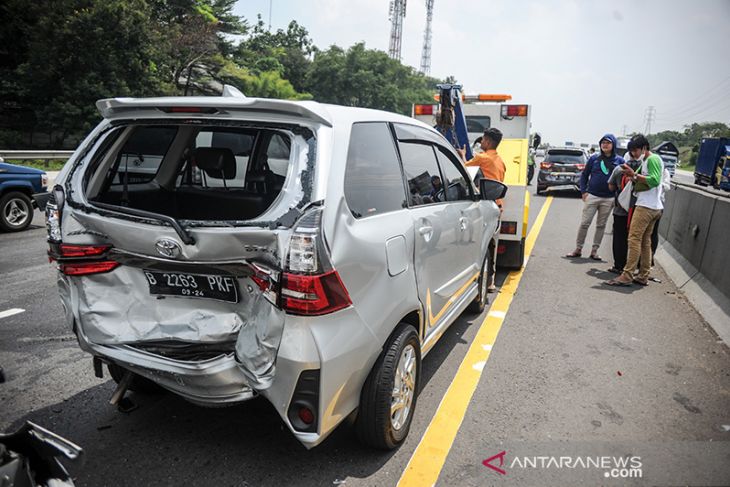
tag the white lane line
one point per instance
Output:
(11, 312)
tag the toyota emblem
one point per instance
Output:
(167, 247)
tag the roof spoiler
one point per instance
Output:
(231, 100)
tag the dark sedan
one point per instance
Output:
(561, 170)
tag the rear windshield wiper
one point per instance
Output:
(182, 233)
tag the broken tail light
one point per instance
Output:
(313, 295)
(310, 285)
(87, 268)
(81, 260)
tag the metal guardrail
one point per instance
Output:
(35, 154)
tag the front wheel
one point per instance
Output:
(388, 397)
(16, 212)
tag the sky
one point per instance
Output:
(586, 67)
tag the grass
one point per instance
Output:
(45, 165)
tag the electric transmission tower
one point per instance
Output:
(426, 52)
(396, 16)
(650, 116)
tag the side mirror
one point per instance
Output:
(491, 190)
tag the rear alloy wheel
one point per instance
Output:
(139, 384)
(388, 398)
(480, 302)
(16, 212)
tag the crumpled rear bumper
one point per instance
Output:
(215, 381)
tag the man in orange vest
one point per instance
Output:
(492, 167)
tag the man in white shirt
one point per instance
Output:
(649, 205)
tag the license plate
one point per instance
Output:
(221, 288)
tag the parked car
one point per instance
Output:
(561, 169)
(226, 247)
(18, 184)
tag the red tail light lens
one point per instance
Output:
(86, 268)
(580, 166)
(546, 165)
(81, 260)
(68, 250)
(509, 227)
(313, 295)
(423, 109)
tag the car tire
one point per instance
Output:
(480, 302)
(16, 212)
(376, 424)
(139, 384)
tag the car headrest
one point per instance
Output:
(217, 162)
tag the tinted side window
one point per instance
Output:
(457, 187)
(142, 153)
(373, 180)
(422, 173)
(477, 123)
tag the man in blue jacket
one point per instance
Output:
(597, 197)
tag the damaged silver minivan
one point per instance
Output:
(226, 247)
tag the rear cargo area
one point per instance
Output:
(191, 172)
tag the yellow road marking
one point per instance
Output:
(426, 463)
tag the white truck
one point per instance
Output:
(513, 120)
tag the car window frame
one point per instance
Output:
(459, 167)
(394, 140)
(405, 178)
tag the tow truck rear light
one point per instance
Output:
(514, 111)
(313, 295)
(509, 228)
(546, 165)
(423, 109)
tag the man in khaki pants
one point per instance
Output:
(597, 197)
(648, 188)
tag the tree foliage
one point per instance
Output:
(367, 78)
(58, 57)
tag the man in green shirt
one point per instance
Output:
(648, 189)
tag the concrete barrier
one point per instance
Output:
(694, 251)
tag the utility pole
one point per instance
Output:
(270, 7)
(426, 51)
(650, 116)
(624, 130)
(396, 16)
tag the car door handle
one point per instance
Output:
(462, 223)
(426, 230)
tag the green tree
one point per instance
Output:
(287, 52)
(367, 78)
(80, 51)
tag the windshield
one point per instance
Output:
(565, 157)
